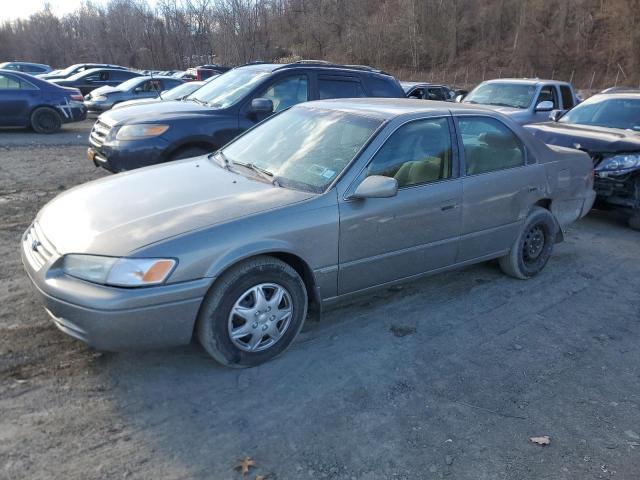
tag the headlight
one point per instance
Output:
(118, 272)
(620, 162)
(136, 132)
(100, 98)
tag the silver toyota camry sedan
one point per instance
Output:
(323, 201)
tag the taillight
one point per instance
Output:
(77, 96)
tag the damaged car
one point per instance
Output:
(607, 127)
(323, 201)
(27, 101)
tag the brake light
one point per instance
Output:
(77, 96)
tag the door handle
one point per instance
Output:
(450, 206)
(533, 189)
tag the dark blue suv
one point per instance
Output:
(27, 101)
(137, 136)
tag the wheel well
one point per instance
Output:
(300, 266)
(544, 203)
(195, 144)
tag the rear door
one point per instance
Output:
(16, 97)
(387, 239)
(497, 184)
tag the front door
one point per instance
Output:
(386, 239)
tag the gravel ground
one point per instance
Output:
(447, 377)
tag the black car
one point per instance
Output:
(88, 80)
(77, 68)
(607, 126)
(103, 98)
(141, 135)
(428, 91)
(27, 101)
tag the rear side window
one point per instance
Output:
(7, 82)
(417, 153)
(381, 87)
(339, 88)
(33, 69)
(567, 97)
(121, 75)
(489, 145)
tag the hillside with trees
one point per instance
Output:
(592, 42)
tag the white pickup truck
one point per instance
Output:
(525, 100)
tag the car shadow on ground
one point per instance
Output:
(430, 377)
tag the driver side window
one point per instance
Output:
(548, 94)
(418, 152)
(287, 92)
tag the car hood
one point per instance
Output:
(497, 108)
(122, 213)
(585, 137)
(156, 110)
(138, 101)
(103, 91)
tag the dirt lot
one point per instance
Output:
(444, 378)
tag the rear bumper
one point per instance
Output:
(116, 319)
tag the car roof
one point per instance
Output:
(387, 108)
(525, 81)
(24, 63)
(624, 94)
(310, 64)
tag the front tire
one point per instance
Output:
(253, 312)
(634, 220)
(45, 120)
(533, 246)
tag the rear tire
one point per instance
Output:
(533, 246)
(242, 322)
(634, 221)
(190, 152)
(45, 120)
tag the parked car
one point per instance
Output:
(88, 80)
(524, 100)
(77, 68)
(26, 101)
(182, 91)
(25, 67)
(103, 98)
(607, 126)
(142, 135)
(428, 91)
(323, 201)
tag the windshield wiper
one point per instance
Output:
(196, 100)
(266, 174)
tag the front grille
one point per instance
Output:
(98, 134)
(37, 248)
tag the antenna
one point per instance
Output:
(154, 85)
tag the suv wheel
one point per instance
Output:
(634, 220)
(253, 313)
(532, 248)
(45, 120)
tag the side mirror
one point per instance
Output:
(545, 106)
(459, 98)
(261, 105)
(376, 186)
(556, 115)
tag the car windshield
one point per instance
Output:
(229, 87)
(502, 94)
(181, 90)
(69, 70)
(623, 113)
(131, 83)
(303, 148)
(83, 73)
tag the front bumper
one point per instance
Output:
(98, 106)
(620, 191)
(115, 319)
(120, 156)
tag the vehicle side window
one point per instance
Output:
(489, 145)
(287, 91)
(7, 82)
(339, 88)
(435, 93)
(121, 75)
(548, 94)
(151, 86)
(382, 88)
(169, 84)
(418, 152)
(567, 97)
(417, 93)
(32, 69)
(104, 76)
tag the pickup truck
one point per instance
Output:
(524, 100)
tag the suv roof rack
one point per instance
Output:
(621, 90)
(324, 63)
